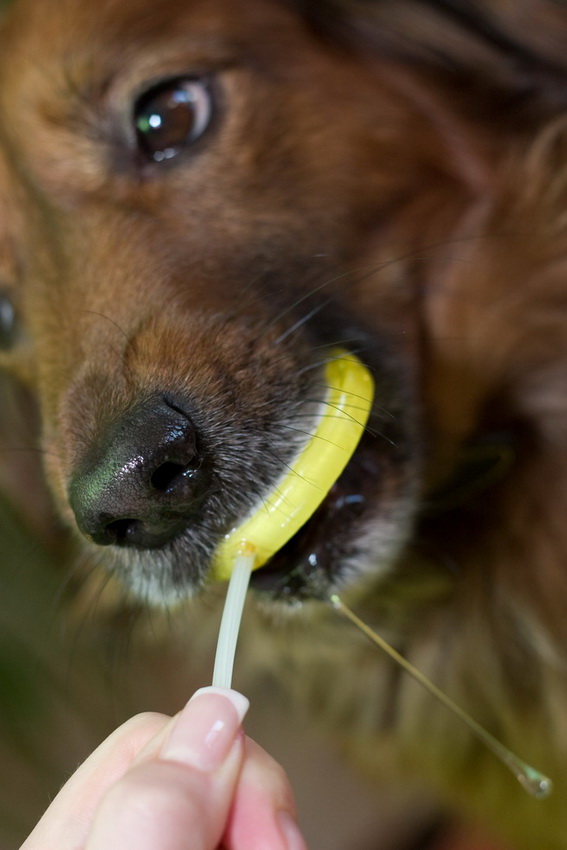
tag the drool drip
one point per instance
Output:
(535, 783)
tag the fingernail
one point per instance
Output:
(206, 729)
(290, 831)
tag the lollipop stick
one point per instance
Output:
(232, 615)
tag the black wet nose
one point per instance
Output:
(142, 483)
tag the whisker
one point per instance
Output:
(79, 624)
(349, 393)
(300, 322)
(120, 355)
(313, 436)
(249, 289)
(339, 343)
(334, 416)
(108, 319)
(367, 429)
(261, 496)
(318, 364)
(273, 492)
(331, 404)
(84, 567)
(421, 252)
(284, 463)
(327, 282)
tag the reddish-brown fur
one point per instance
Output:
(402, 171)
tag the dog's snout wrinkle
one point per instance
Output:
(144, 480)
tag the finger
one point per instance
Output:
(66, 823)
(186, 791)
(263, 812)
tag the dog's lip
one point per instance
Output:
(308, 564)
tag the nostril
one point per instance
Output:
(120, 531)
(169, 477)
(147, 533)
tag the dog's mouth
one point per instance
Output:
(294, 524)
(318, 556)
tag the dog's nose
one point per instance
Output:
(143, 482)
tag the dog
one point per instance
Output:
(199, 201)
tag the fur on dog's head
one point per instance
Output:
(199, 200)
(196, 283)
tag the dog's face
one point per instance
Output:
(190, 222)
(198, 202)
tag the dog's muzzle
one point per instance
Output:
(144, 480)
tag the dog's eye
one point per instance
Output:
(7, 322)
(171, 116)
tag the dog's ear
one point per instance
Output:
(486, 46)
(539, 202)
(538, 27)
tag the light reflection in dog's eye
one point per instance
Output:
(171, 116)
(534, 782)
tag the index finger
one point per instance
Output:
(186, 791)
(66, 823)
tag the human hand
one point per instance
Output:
(192, 782)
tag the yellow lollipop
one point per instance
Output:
(298, 494)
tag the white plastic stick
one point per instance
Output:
(231, 617)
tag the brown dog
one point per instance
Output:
(199, 200)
